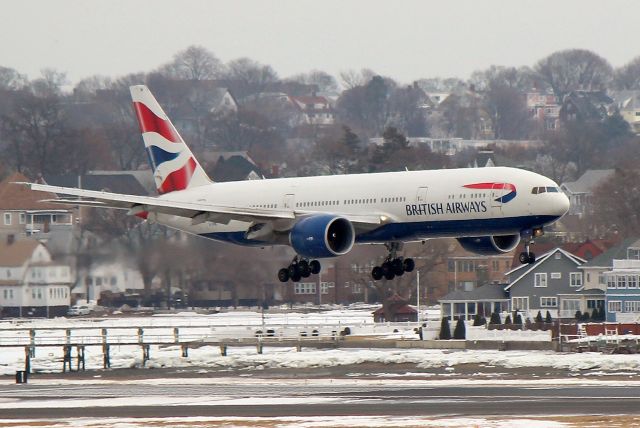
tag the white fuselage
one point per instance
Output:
(412, 205)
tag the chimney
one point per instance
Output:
(11, 238)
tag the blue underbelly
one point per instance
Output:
(418, 230)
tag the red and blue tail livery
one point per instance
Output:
(174, 166)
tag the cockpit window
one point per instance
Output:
(542, 189)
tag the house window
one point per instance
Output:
(614, 306)
(575, 279)
(570, 305)
(557, 256)
(633, 253)
(632, 306)
(632, 281)
(548, 302)
(602, 279)
(556, 275)
(611, 281)
(6, 294)
(622, 281)
(451, 265)
(520, 303)
(7, 219)
(23, 218)
(540, 280)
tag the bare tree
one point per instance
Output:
(574, 69)
(193, 63)
(11, 80)
(349, 79)
(254, 76)
(324, 81)
(627, 77)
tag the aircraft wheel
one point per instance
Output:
(303, 267)
(389, 275)
(376, 273)
(409, 265)
(524, 258)
(314, 265)
(396, 267)
(283, 275)
(531, 259)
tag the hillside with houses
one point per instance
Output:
(570, 116)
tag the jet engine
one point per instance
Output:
(490, 245)
(322, 235)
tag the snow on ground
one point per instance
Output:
(245, 323)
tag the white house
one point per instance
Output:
(31, 283)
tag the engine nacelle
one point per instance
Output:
(322, 235)
(490, 245)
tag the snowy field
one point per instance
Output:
(237, 324)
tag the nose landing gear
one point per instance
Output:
(298, 269)
(527, 256)
(393, 266)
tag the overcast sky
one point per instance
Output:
(405, 40)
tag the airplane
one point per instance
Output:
(489, 210)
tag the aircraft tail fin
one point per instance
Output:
(174, 166)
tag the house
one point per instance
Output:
(580, 192)
(483, 300)
(233, 166)
(554, 283)
(31, 283)
(615, 273)
(585, 106)
(398, 309)
(622, 295)
(112, 276)
(25, 213)
(467, 271)
(628, 104)
(544, 109)
(315, 109)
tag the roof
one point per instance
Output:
(485, 292)
(234, 168)
(526, 268)
(17, 253)
(585, 292)
(18, 197)
(605, 260)
(117, 183)
(588, 181)
(627, 100)
(404, 309)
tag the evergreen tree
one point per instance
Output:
(495, 318)
(445, 331)
(548, 318)
(595, 315)
(539, 317)
(517, 320)
(479, 320)
(507, 320)
(578, 315)
(585, 317)
(460, 330)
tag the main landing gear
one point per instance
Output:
(393, 266)
(298, 269)
(527, 256)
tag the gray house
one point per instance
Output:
(553, 283)
(483, 300)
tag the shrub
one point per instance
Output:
(495, 318)
(445, 331)
(517, 319)
(507, 320)
(548, 318)
(479, 320)
(595, 314)
(460, 330)
(539, 317)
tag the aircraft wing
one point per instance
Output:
(199, 212)
(137, 204)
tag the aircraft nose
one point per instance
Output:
(563, 204)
